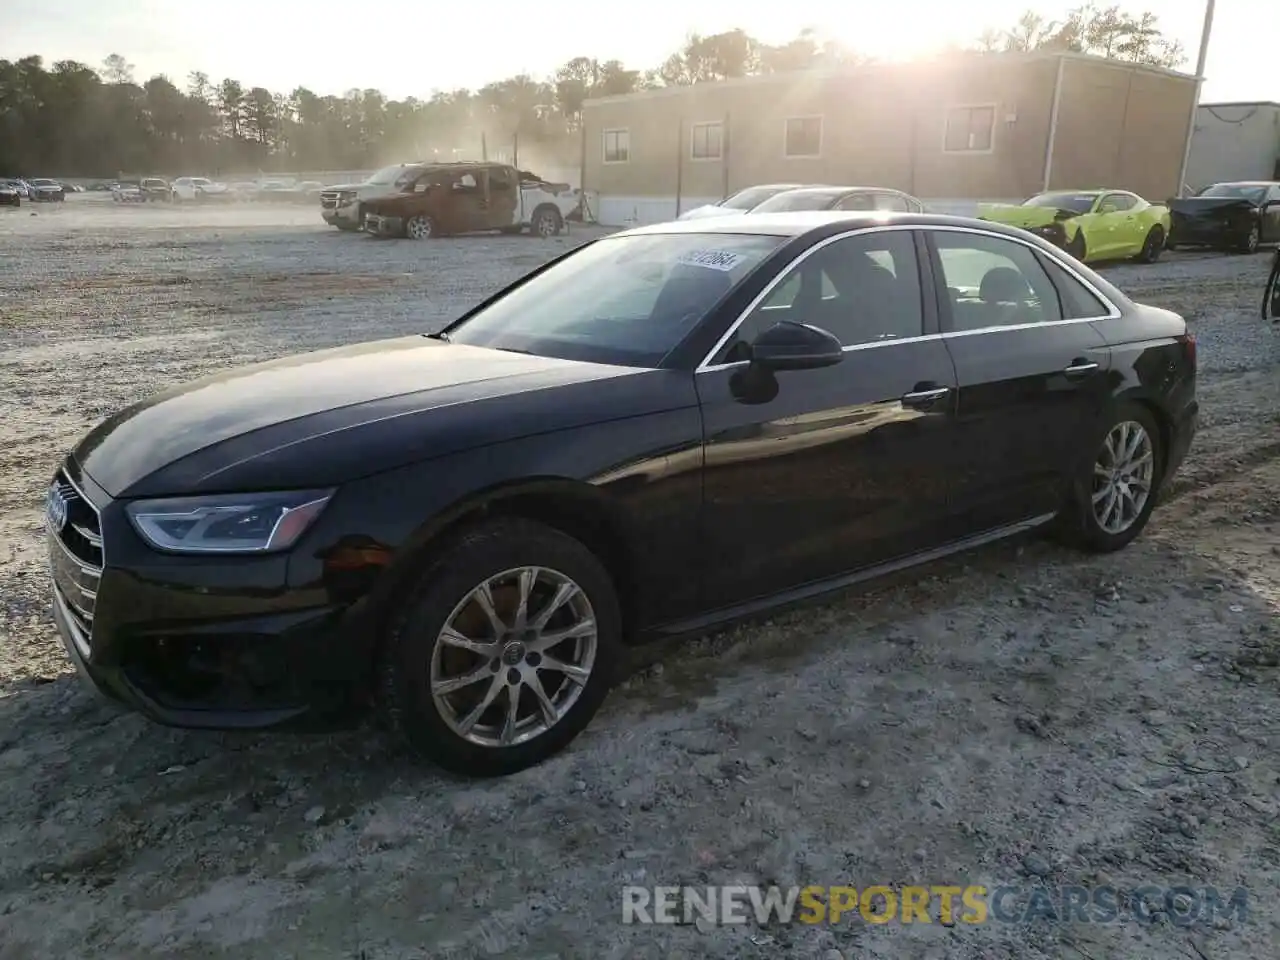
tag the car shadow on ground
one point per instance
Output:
(961, 699)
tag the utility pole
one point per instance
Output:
(1195, 106)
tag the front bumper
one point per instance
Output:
(381, 226)
(1205, 233)
(195, 642)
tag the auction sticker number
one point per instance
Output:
(711, 259)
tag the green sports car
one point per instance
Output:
(1090, 224)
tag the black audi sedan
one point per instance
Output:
(657, 433)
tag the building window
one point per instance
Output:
(804, 137)
(970, 129)
(617, 146)
(706, 141)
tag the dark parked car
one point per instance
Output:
(840, 198)
(9, 195)
(657, 433)
(1227, 216)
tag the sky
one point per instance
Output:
(411, 50)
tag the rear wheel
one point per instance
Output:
(1251, 240)
(503, 651)
(1113, 495)
(547, 222)
(1153, 246)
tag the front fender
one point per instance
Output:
(630, 473)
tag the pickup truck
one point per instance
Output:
(425, 200)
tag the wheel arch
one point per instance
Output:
(1159, 413)
(573, 507)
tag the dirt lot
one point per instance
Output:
(1024, 713)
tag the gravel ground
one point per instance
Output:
(1022, 714)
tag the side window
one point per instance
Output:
(1118, 201)
(863, 288)
(994, 282)
(891, 201)
(1078, 303)
(501, 180)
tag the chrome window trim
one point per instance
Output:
(1113, 312)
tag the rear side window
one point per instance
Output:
(1078, 303)
(993, 282)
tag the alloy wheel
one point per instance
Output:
(514, 657)
(419, 228)
(1122, 477)
(546, 224)
(1251, 244)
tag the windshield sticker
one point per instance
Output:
(723, 260)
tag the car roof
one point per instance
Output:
(1246, 183)
(801, 222)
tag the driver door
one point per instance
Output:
(1109, 225)
(467, 202)
(810, 474)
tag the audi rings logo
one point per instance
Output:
(55, 509)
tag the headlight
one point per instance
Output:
(228, 523)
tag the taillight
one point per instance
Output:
(1188, 341)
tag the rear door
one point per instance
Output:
(1031, 370)
(504, 198)
(1271, 216)
(812, 473)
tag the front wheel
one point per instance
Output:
(420, 227)
(1153, 246)
(503, 651)
(1076, 246)
(1252, 240)
(1113, 496)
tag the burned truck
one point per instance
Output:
(445, 199)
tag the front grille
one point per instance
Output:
(332, 199)
(75, 553)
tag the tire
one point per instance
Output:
(420, 227)
(1250, 243)
(546, 222)
(1076, 247)
(1080, 522)
(1152, 246)
(414, 653)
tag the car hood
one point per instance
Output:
(1210, 206)
(323, 418)
(1016, 215)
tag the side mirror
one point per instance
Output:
(789, 345)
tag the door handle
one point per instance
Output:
(924, 398)
(1080, 368)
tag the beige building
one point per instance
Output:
(955, 132)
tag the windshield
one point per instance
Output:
(794, 200)
(750, 197)
(1077, 202)
(44, 183)
(625, 300)
(1234, 191)
(389, 175)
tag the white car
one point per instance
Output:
(740, 202)
(198, 188)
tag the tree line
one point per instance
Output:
(72, 119)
